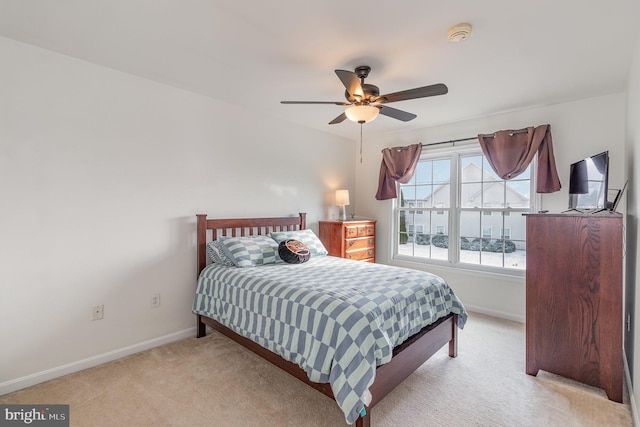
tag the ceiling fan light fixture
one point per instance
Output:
(362, 113)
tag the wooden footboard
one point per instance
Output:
(406, 358)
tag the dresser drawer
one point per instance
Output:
(361, 254)
(361, 243)
(359, 231)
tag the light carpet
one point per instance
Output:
(213, 381)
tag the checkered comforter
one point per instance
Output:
(337, 319)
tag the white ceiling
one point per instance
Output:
(257, 53)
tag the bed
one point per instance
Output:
(280, 311)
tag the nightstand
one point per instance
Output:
(351, 239)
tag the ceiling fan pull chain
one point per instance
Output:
(360, 142)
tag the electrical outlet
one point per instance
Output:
(98, 312)
(155, 300)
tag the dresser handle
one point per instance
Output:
(370, 251)
(351, 243)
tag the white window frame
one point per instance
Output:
(454, 154)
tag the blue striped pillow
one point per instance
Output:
(250, 251)
(217, 255)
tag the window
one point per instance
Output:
(505, 233)
(464, 204)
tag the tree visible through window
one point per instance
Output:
(461, 212)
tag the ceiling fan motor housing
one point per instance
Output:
(370, 93)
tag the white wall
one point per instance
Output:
(632, 297)
(101, 176)
(579, 129)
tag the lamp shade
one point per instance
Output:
(342, 197)
(362, 113)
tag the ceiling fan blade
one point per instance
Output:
(338, 119)
(351, 82)
(396, 114)
(315, 102)
(420, 92)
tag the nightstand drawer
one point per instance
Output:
(361, 243)
(351, 231)
(370, 230)
(361, 254)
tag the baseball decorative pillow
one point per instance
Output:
(293, 251)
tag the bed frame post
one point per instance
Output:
(201, 238)
(201, 327)
(453, 343)
(364, 421)
(303, 220)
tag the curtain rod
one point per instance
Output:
(453, 141)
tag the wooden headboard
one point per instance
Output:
(237, 227)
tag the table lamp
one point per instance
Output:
(342, 199)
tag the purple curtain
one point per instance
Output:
(398, 165)
(510, 153)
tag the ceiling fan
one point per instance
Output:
(365, 101)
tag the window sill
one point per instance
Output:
(436, 265)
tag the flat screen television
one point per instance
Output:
(589, 183)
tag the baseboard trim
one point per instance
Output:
(632, 400)
(494, 313)
(59, 371)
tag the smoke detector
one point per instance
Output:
(459, 32)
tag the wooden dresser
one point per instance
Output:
(351, 239)
(574, 298)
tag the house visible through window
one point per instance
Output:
(461, 205)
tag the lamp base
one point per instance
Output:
(344, 213)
